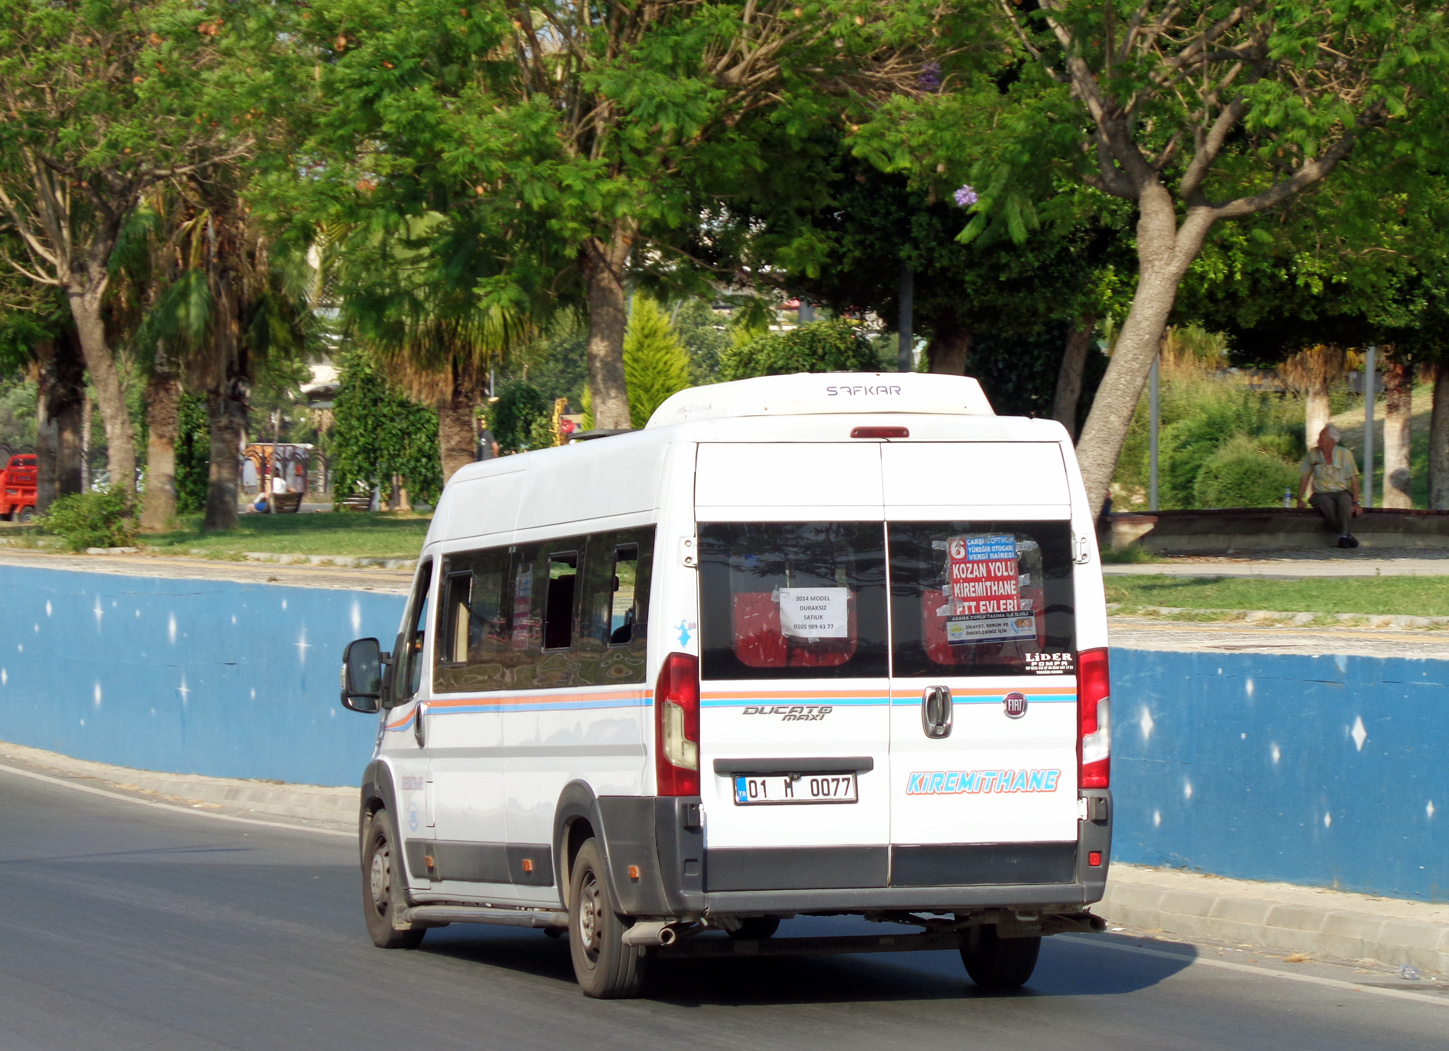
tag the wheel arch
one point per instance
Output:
(577, 818)
(378, 793)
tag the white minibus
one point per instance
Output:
(821, 644)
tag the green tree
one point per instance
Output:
(585, 134)
(380, 437)
(1194, 113)
(103, 101)
(821, 346)
(514, 415)
(656, 364)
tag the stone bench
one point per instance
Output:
(1222, 532)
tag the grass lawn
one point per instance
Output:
(1411, 596)
(355, 534)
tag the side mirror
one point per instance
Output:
(362, 664)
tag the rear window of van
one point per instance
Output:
(797, 600)
(812, 600)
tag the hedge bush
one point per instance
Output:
(821, 346)
(94, 519)
(1244, 474)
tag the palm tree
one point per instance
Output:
(411, 292)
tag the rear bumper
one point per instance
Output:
(660, 867)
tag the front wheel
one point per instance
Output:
(605, 967)
(382, 887)
(994, 962)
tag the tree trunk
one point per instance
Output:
(950, 345)
(61, 382)
(457, 433)
(85, 308)
(1398, 412)
(1439, 440)
(603, 268)
(163, 424)
(1163, 255)
(1069, 376)
(226, 411)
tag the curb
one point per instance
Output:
(274, 798)
(1283, 618)
(1281, 917)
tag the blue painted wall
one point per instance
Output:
(1327, 771)
(191, 676)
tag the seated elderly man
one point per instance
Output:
(1331, 476)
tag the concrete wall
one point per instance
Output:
(1326, 771)
(192, 676)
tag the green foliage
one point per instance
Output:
(193, 454)
(379, 432)
(821, 346)
(656, 364)
(705, 335)
(97, 518)
(512, 417)
(1201, 417)
(1243, 473)
(17, 413)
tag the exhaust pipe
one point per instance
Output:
(652, 932)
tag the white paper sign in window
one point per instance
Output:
(815, 613)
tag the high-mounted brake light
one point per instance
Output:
(676, 724)
(1094, 720)
(880, 432)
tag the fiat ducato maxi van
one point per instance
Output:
(804, 645)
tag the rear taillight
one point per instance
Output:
(1094, 720)
(676, 725)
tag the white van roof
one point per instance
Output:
(816, 393)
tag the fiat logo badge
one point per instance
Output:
(1015, 703)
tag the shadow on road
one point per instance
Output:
(1068, 967)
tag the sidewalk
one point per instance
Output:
(1293, 565)
(1273, 916)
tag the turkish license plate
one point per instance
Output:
(777, 789)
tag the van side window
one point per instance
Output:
(799, 600)
(558, 614)
(981, 598)
(622, 608)
(473, 651)
(614, 607)
(408, 675)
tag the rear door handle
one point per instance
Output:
(936, 711)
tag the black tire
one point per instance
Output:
(994, 962)
(25, 514)
(382, 886)
(757, 927)
(605, 967)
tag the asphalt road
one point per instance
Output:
(127, 925)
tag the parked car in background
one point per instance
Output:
(17, 488)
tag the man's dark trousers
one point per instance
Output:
(1336, 509)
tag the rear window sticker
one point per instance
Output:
(984, 576)
(815, 613)
(1050, 663)
(990, 627)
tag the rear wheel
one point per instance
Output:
(382, 886)
(25, 514)
(605, 967)
(994, 962)
(757, 927)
